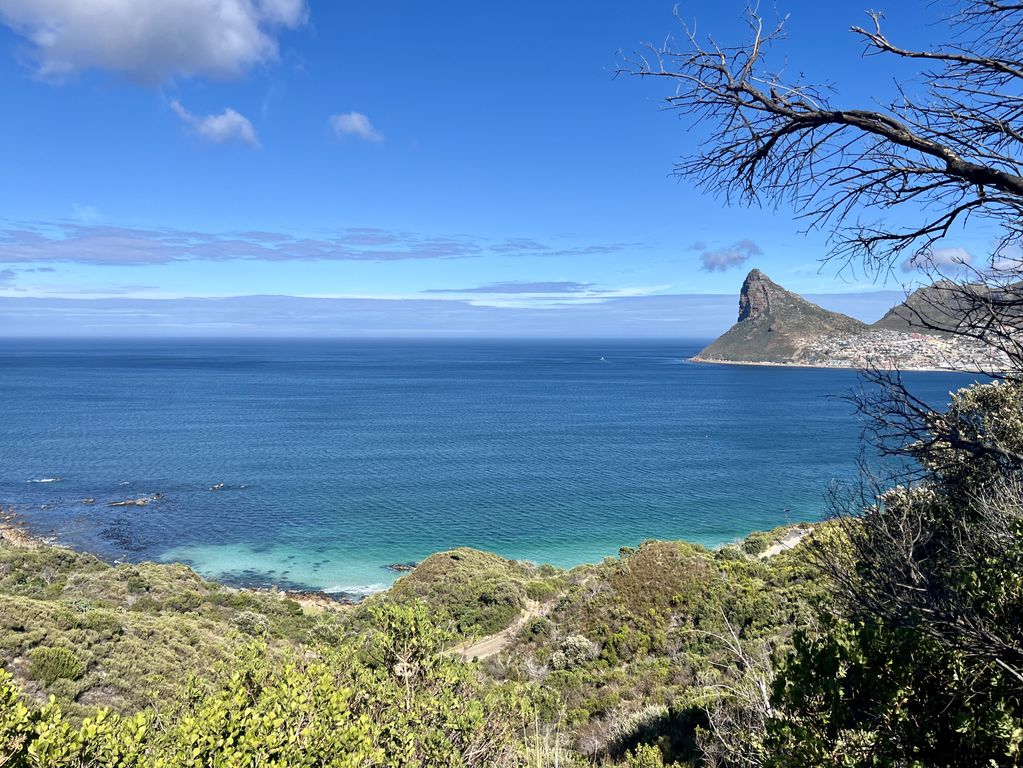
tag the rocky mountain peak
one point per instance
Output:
(755, 296)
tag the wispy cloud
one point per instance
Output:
(151, 40)
(723, 259)
(111, 245)
(87, 214)
(9, 277)
(939, 259)
(356, 125)
(226, 127)
(515, 287)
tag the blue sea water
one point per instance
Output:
(340, 457)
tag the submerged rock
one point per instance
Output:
(139, 502)
(401, 567)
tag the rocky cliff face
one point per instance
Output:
(755, 296)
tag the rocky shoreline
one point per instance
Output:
(13, 531)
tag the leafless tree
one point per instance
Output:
(943, 152)
(739, 700)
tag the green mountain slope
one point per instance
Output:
(941, 308)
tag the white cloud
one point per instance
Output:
(938, 259)
(151, 40)
(723, 259)
(1008, 261)
(355, 124)
(226, 127)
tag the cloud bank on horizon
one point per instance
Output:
(666, 316)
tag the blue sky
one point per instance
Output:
(472, 165)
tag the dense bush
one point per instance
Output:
(920, 659)
(47, 665)
(142, 628)
(481, 592)
(375, 685)
(386, 699)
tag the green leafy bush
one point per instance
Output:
(47, 665)
(756, 543)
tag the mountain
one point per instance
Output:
(775, 325)
(941, 308)
(934, 309)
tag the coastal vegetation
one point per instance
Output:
(152, 665)
(93, 634)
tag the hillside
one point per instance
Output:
(777, 327)
(594, 662)
(774, 325)
(926, 310)
(95, 635)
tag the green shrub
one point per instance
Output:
(252, 623)
(756, 543)
(146, 604)
(575, 651)
(645, 756)
(541, 590)
(105, 623)
(47, 665)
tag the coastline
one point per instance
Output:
(13, 532)
(821, 366)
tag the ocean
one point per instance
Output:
(338, 457)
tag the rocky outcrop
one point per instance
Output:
(755, 296)
(142, 501)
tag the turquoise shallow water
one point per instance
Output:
(339, 457)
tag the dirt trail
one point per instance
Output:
(788, 541)
(494, 644)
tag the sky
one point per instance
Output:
(326, 167)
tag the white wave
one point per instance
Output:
(46, 480)
(361, 589)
